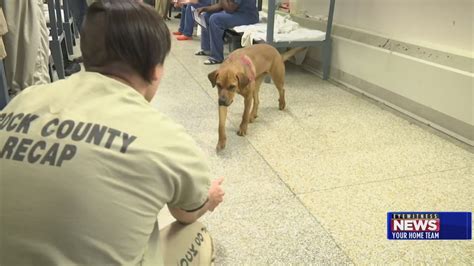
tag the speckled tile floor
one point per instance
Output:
(312, 184)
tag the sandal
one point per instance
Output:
(202, 52)
(212, 61)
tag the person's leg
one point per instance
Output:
(205, 38)
(189, 20)
(216, 26)
(167, 11)
(160, 6)
(21, 43)
(41, 74)
(186, 244)
(182, 21)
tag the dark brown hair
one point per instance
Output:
(124, 34)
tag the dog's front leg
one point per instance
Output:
(245, 117)
(222, 135)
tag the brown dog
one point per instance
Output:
(243, 72)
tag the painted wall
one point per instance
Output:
(439, 24)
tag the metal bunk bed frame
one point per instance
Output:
(326, 44)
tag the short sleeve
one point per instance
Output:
(237, 2)
(189, 171)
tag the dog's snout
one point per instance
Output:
(222, 101)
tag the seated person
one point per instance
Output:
(87, 163)
(221, 16)
(186, 24)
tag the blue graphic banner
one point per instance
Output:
(429, 225)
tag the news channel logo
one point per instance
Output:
(429, 225)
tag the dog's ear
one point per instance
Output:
(213, 77)
(243, 80)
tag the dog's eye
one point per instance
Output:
(232, 87)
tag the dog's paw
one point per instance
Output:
(220, 146)
(242, 132)
(282, 104)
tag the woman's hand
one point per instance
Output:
(215, 194)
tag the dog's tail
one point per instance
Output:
(290, 53)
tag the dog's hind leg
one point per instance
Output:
(278, 77)
(256, 100)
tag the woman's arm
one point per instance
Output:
(215, 197)
(214, 8)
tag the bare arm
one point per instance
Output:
(215, 197)
(214, 8)
(229, 5)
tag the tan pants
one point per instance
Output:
(162, 7)
(186, 244)
(26, 44)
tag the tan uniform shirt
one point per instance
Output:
(85, 166)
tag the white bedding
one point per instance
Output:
(286, 30)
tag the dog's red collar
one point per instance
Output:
(245, 60)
